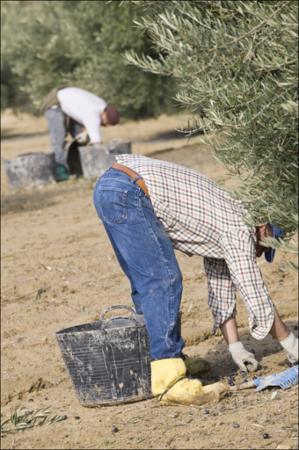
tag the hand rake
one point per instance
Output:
(285, 380)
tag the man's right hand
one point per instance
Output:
(82, 138)
(244, 359)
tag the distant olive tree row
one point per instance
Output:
(51, 43)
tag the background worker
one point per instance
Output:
(72, 110)
(149, 207)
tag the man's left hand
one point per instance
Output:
(244, 359)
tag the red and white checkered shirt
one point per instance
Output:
(202, 219)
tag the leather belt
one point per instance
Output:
(136, 177)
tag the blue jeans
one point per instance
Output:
(146, 255)
(58, 131)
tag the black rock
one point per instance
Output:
(114, 429)
(236, 425)
(266, 435)
(215, 378)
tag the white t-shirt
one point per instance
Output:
(85, 108)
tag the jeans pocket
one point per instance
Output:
(112, 205)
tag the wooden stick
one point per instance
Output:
(240, 387)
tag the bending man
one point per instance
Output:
(71, 110)
(148, 208)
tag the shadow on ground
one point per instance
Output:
(169, 135)
(33, 200)
(172, 134)
(6, 134)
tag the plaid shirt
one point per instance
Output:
(202, 219)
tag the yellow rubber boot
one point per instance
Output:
(170, 385)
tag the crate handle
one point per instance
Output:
(113, 307)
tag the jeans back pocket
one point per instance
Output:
(111, 205)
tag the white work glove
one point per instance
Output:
(82, 138)
(290, 344)
(293, 359)
(244, 359)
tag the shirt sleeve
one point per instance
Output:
(221, 291)
(92, 124)
(240, 256)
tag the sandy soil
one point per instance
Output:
(58, 270)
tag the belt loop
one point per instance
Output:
(136, 179)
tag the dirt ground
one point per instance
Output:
(58, 270)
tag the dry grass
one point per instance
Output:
(22, 418)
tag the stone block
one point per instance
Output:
(91, 161)
(95, 159)
(30, 169)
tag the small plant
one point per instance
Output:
(23, 418)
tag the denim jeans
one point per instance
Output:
(58, 131)
(146, 255)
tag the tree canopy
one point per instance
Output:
(235, 65)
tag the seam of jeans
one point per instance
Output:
(171, 277)
(112, 188)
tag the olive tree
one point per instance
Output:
(235, 65)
